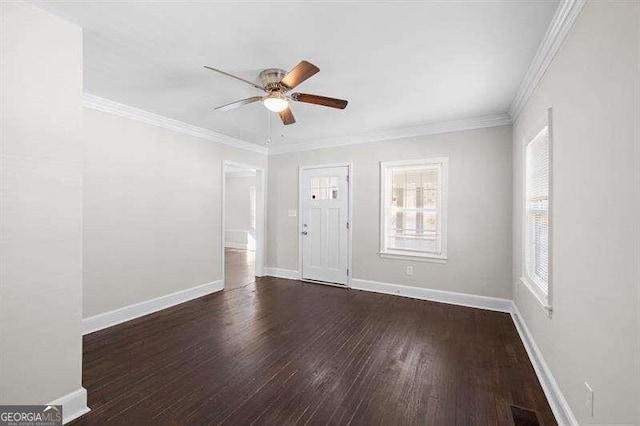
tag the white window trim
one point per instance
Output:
(541, 298)
(442, 193)
(544, 300)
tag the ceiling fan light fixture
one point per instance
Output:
(276, 83)
(275, 102)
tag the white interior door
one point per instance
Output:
(325, 216)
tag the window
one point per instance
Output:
(324, 188)
(413, 208)
(536, 216)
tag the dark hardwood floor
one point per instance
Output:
(240, 268)
(285, 352)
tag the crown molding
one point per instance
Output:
(107, 105)
(562, 21)
(407, 132)
(112, 107)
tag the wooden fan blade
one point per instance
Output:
(287, 116)
(236, 77)
(299, 73)
(319, 100)
(239, 103)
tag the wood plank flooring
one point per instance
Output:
(277, 351)
(240, 268)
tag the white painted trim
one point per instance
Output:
(443, 192)
(113, 107)
(413, 258)
(223, 221)
(289, 274)
(406, 132)
(74, 404)
(559, 405)
(461, 299)
(557, 401)
(565, 16)
(351, 224)
(301, 196)
(537, 294)
(107, 105)
(545, 300)
(127, 313)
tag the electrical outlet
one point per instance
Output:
(409, 271)
(588, 402)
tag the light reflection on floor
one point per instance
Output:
(239, 268)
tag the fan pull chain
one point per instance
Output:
(268, 141)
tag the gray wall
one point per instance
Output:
(479, 210)
(41, 212)
(152, 211)
(592, 335)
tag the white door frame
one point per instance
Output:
(301, 196)
(261, 203)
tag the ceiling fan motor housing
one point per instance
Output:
(270, 79)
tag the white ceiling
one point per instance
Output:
(399, 64)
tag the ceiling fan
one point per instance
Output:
(276, 83)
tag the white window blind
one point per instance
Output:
(537, 211)
(412, 210)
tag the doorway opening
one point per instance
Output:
(243, 203)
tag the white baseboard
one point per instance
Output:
(462, 299)
(127, 313)
(289, 274)
(557, 401)
(239, 246)
(74, 405)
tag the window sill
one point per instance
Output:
(416, 258)
(541, 298)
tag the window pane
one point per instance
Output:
(333, 188)
(537, 210)
(429, 223)
(397, 185)
(323, 193)
(324, 188)
(413, 244)
(412, 215)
